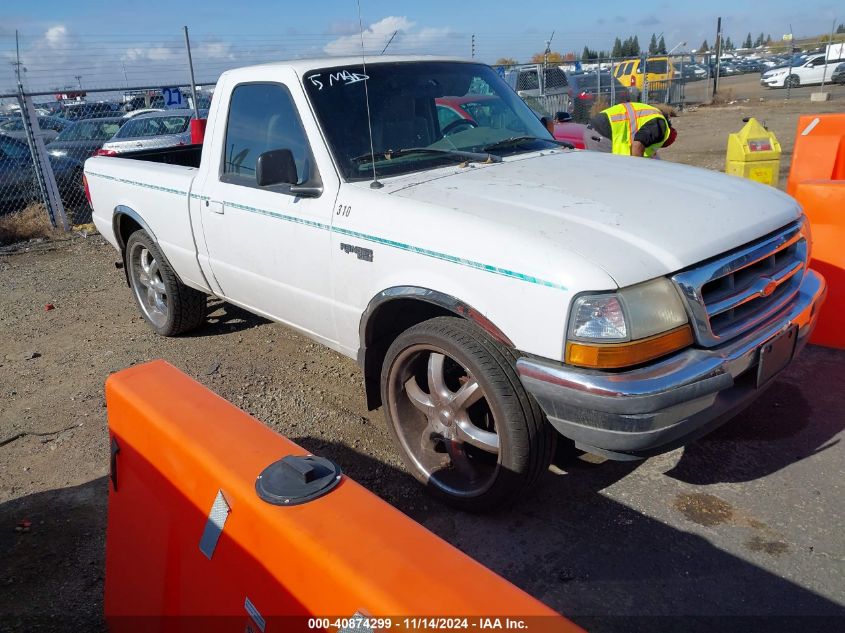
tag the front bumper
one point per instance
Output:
(658, 407)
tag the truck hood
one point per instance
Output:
(636, 219)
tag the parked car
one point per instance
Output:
(805, 72)
(156, 101)
(77, 111)
(694, 72)
(455, 114)
(497, 289)
(838, 75)
(50, 127)
(545, 89)
(18, 184)
(133, 113)
(751, 66)
(728, 69)
(587, 88)
(143, 102)
(166, 128)
(82, 139)
(659, 70)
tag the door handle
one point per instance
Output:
(214, 207)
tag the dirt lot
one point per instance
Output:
(739, 531)
(703, 130)
(741, 87)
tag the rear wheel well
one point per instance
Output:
(126, 226)
(387, 322)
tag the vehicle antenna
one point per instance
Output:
(375, 184)
(388, 42)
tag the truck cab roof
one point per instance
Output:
(301, 66)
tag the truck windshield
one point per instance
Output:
(453, 107)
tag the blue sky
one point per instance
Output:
(114, 43)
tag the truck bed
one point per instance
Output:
(184, 155)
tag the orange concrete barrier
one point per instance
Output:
(191, 546)
(817, 181)
(824, 204)
(819, 152)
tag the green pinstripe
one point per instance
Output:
(342, 231)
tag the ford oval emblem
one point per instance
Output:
(769, 288)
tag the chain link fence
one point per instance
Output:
(585, 88)
(43, 148)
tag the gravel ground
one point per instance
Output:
(745, 523)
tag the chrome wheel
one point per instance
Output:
(148, 285)
(443, 421)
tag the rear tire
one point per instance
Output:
(463, 422)
(169, 306)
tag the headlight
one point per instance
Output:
(631, 326)
(58, 153)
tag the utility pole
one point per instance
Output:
(44, 176)
(472, 50)
(788, 81)
(79, 81)
(718, 55)
(17, 64)
(548, 50)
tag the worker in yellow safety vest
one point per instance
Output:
(630, 129)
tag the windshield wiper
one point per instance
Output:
(396, 153)
(518, 140)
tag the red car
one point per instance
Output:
(472, 110)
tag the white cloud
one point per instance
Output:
(213, 50)
(377, 35)
(56, 36)
(166, 53)
(151, 53)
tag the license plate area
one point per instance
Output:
(775, 354)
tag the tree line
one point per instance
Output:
(630, 47)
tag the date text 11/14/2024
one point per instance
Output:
(418, 623)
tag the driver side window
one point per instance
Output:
(262, 117)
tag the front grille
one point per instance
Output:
(731, 294)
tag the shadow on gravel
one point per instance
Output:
(225, 318)
(800, 415)
(600, 563)
(51, 576)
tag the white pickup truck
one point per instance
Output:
(498, 289)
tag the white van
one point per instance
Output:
(810, 71)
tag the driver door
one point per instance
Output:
(268, 248)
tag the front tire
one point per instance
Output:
(793, 81)
(464, 424)
(169, 306)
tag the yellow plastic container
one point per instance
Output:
(754, 153)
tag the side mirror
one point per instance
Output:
(563, 117)
(276, 167)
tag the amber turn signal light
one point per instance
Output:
(617, 355)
